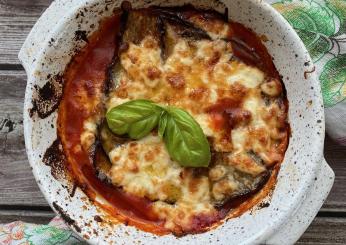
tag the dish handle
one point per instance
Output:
(292, 230)
(40, 34)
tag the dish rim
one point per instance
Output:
(28, 124)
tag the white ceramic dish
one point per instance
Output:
(304, 180)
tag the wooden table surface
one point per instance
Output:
(20, 197)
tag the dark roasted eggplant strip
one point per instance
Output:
(255, 157)
(250, 184)
(184, 28)
(168, 42)
(140, 23)
(113, 76)
(162, 33)
(125, 7)
(144, 22)
(106, 142)
(101, 161)
(180, 28)
(109, 140)
(102, 164)
(111, 82)
(183, 12)
(239, 197)
(247, 183)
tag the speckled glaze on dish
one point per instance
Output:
(304, 180)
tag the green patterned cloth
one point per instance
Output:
(321, 24)
(20, 233)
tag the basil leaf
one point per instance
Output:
(137, 118)
(185, 140)
(163, 124)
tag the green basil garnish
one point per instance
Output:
(185, 140)
(183, 137)
(137, 118)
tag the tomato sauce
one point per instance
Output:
(87, 74)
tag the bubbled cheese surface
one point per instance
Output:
(197, 76)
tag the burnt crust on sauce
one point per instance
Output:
(46, 99)
(66, 217)
(54, 158)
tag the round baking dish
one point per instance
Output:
(61, 31)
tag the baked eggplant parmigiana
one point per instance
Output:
(217, 74)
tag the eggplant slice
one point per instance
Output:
(140, 23)
(154, 22)
(106, 142)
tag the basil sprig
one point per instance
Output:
(137, 118)
(183, 136)
(185, 140)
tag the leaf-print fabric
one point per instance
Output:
(20, 233)
(339, 8)
(313, 22)
(333, 80)
(321, 25)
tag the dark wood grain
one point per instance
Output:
(17, 184)
(20, 197)
(325, 230)
(30, 216)
(336, 157)
(16, 20)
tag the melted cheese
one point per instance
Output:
(196, 76)
(144, 168)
